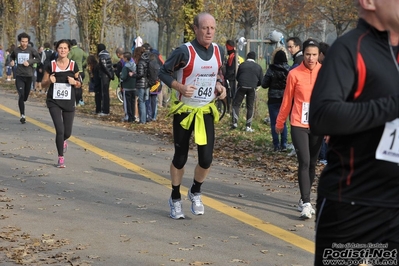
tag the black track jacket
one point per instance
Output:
(356, 93)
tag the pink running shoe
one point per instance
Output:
(61, 162)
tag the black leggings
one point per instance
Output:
(63, 126)
(23, 85)
(182, 142)
(340, 223)
(307, 147)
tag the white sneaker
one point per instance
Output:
(292, 153)
(307, 211)
(176, 209)
(300, 205)
(248, 129)
(197, 207)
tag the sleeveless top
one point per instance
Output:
(202, 74)
(61, 93)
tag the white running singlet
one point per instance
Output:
(202, 74)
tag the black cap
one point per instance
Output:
(309, 42)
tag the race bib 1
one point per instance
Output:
(62, 91)
(388, 148)
(305, 113)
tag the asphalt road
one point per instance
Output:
(109, 206)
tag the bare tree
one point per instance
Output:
(340, 13)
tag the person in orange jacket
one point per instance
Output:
(300, 82)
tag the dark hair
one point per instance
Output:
(74, 42)
(92, 64)
(251, 55)
(63, 41)
(137, 53)
(127, 55)
(46, 45)
(23, 35)
(147, 46)
(92, 60)
(100, 47)
(296, 41)
(231, 43)
(323, 47)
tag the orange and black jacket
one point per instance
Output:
(356, 93)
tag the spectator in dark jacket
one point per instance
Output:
(106, 75)
(142, 82)
(128, 83)
(275, 79)
(249, 77)
(118, 66)
(93, 69)
(230, 72)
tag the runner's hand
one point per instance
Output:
(221, 91)
(72, 81)
(187, 90)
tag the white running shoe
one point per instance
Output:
(176, 209)
(197, 207)
(249, 129)
(300, 205)
(307, 211)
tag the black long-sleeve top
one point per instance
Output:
(356, 93)
(249, 74)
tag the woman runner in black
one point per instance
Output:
(62, 75)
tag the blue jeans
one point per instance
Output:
(274, 108)
(152, 107)
(142, 95)
(323, 151)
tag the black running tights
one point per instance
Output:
(63, 126)
(23, 85)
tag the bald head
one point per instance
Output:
(204, 28)
(119, 52)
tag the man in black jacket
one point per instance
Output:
(294, 46)
(249, 77)
(106, 75)
(356, 102)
